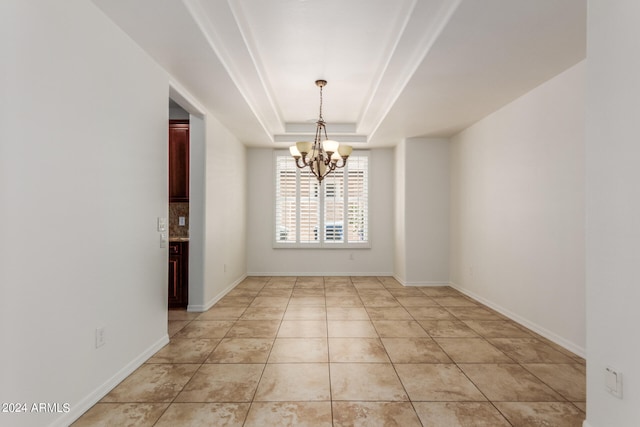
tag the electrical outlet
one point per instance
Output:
(181, 221)
(100, 337)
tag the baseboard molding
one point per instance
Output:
(586, 424)
(409, 284)
(323, 273)
(204, 307)
(580, 351)
(87, 402)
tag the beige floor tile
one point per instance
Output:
(581, 405)
(254, 329)
(289, 414)
(347, 313)
(439, 291)
(406, 292)
(121, 414)
(437, 382)
(299, 350)
(529, 350)
(280, 302)
(474, 313)
(319, 301)
(251, 283)
(222, 313)
(152, 383)
(472, 350)
(263, 313)
(205, 329)
(508, 383)
(455, 301)
(344, 301)
(337, 280)
(357, 350)
(222, 383)
(556, 414)
(567, 379)
(460, 414)
(273, 357)
(241, 350)
(294, 382)
(414, 350)
(180, 314)
(174, 326)
(303, 329)
(235, 300)
(186, 350)
(430, 313)
(351, 328)
(399, 328)
(268, 291)
(447, 328)
(308, 292)
(416, 301)
(388, 313)
(497, 329)
(366, 382)
(390, 282)
(367, 414)
(379, 301)
(238, 292)
(301, 312)
(204, 414)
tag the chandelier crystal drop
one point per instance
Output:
(322, 156)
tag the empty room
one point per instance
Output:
(320, 213)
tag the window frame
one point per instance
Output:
(322, 242)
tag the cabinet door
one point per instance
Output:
(178, 274)
(178, 162)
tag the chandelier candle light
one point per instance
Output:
(322, 157)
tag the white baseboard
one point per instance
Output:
(408, 284)
(215, 299)
(323, 273)
(586, 424)
(580, 351)
(87, 402)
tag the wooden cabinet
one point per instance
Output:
(178, 274)
(178, 161)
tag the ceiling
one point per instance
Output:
(396, 69)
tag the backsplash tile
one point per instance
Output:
(176, 210)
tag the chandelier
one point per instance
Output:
(323, 155)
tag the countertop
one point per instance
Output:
(178, 239)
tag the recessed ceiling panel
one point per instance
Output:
(346, 43)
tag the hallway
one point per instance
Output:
(348, 351)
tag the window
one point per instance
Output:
(333, 214)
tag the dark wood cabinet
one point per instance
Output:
(178, 274)
(178, 161)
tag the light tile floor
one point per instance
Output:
(348, 351)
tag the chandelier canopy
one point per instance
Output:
(322, 156)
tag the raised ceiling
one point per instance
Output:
(396, 69)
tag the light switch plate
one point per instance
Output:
(163, 240)
(613, 381)
(162, 224)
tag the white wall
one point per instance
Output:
(613, 210)
(399, 254)
(225, 221)
(517, 209)
(422, 212)
(83, 178)
(263, 259)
